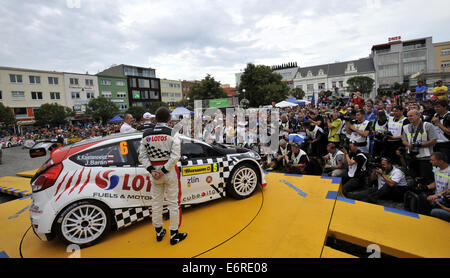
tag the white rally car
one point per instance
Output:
(88, 188)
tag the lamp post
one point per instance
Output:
(244, 102)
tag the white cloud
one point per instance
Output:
(189, 39)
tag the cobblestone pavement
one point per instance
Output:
(14, 160)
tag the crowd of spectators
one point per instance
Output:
(393, 147)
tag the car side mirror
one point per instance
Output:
(184, 160)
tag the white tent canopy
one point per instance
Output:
(284, 104)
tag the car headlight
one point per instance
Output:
(254, 155)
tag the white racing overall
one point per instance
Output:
(160, 151)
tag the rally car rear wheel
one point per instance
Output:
(243, 182)
(84, 223)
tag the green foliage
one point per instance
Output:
(6, 116)
(297, 93)
(136, 111)
(52, 114)
(102, 109)
(208, 88)
(262, 86)
(363, 84)
(153, 106)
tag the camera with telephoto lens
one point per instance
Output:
(415, 149)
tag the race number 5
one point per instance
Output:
(123, 148)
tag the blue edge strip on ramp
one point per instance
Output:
(3, 255)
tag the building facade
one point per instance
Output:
(116, 89)
(80, 89)
(333, 77)
(396, 61)
(171, 91)
(186, 87)
(143, 86)
(25, 90)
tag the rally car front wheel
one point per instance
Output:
(243, 181)
(84, 223)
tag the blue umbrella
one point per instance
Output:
(115, 119)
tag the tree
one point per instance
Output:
(52, 114)
(262, 86)
(102, 109)
(298, 93)
(6, 117)
(155, 105)
(208, 88)
(136, 111)
(363, 84)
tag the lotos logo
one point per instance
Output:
(103, 182)
(156, 138)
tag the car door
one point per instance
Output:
(199, 173)
(141, 173)
(112, 170)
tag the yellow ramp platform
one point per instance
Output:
(14, 221)
(274, 222)
(398, 233)
(16, 186)
(27, 174)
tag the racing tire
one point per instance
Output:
(83, 223)
(243, 181)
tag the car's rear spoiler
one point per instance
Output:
(42, 148)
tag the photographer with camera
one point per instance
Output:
(314, 137)
(419, 137)
(280, 157)
(395, 127)
(359, 131)
(380, 134)
(356, 162)
(435, 195)
(334, 126)
(296, 160)
(334, 162)
(441, 122)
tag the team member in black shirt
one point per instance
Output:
(356, 162)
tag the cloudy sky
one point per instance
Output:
(191, 38)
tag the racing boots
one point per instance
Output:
(176, 237)
(160, 233)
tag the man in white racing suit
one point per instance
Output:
(159, 152)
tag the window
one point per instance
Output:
(144, 83)
(75, 95)
(53, 80)
(123, 106)
(155, 84)
(411, 56)
(121, 94)
(35, 79)
(110, 155)
(36, 95)
(17, 95)
(192, 150)
(165, 94)
(333, 84)
(389, 70)
(55, 95)
(107, 94)
(20, 111)
(341, 84)
(73, 81)
(154, 95)
(90, 95)
(15, 78)
(120, 83)
(321, 86)
(106, 82)
(321, 72)
(136, 94)
(89, 82)
(310, 87)
(445, 51)
(411, 68)
(133, 82)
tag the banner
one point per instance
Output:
(218, 102)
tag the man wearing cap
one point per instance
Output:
(146, 122)
(297, 160)
(281, 156)
(440, 91)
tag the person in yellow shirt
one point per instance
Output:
(440, 90)
(334, 123)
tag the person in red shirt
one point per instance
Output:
(358, 99)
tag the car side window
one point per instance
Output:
(192, 150)
(115, 154)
